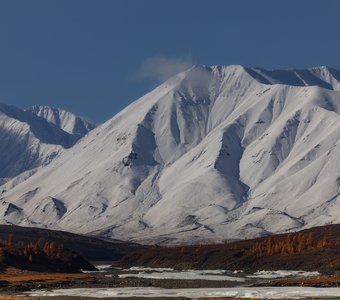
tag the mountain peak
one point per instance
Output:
(66, 120)
(323, 76)
(211, 154)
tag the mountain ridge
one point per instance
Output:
(210, 154)
(29, 141)
(67, 121)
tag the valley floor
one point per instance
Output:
(303, 265)
(138, 282)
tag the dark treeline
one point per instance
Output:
(40, 255)
(32, 250)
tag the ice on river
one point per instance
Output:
(238, 292)
(185, 275)
(146, 269)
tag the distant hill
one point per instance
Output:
(313, 249)
(90, 248)
(40, 256)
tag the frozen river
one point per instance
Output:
(234, 284)
(237, 292)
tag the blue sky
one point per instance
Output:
(95, 57)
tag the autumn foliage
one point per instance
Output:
(292, 244)
(31, 250)
(39, 255)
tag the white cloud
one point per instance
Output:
(161, 68)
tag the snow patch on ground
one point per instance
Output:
(146, 269)
(283, 274)
(208, 272)
(103, 267)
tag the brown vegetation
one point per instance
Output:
(40, 255)
(92, 249)
(17, 277)
(291, 244)
(313, 249)
(30, 250)
(319, 281)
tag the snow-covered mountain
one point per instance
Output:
(29, 141)
(213, 153)
(66, 120)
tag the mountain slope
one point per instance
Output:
(28, 141)
(67, 121)
(213, 153)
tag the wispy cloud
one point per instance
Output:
(161, 68)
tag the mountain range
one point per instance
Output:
(33, 137)
(213, 153)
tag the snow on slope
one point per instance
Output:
(213, 153)
(67, 121)
(28, 141)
